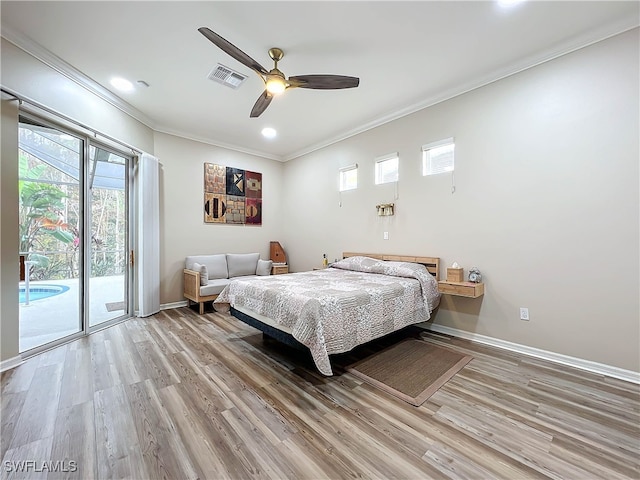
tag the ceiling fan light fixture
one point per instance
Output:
(275, 84)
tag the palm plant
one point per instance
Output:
(41, 213)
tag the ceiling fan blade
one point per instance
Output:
(324, 82)
(261, 104)
(232, 50)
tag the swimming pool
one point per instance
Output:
(38, 292)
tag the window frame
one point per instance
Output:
(427, 167)
(378, 175)
(342, 177)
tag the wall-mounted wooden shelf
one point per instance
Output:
(462, 289)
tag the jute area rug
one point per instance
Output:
(411, 370)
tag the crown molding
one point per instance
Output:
(216, 143)
(577, 43)
(50, 59)
(45, 56)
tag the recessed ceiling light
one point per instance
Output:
(509, 3)
(122, 84)
(269, 132)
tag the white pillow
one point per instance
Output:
(204, 273)
(264, 267)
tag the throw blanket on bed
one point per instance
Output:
(334, 310)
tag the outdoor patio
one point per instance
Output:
(51, 318)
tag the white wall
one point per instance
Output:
(182, 228)
(546, 204)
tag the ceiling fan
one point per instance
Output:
(274, 80)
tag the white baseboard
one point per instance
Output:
(167, 306)
(10, 363)
(588, 365)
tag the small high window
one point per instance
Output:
(387, 168)
(438, 157)
(349, 178)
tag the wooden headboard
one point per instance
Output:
(432, 263)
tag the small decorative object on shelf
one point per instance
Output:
(277, 254)
(455, 273)
(474, 275)
(325, 260)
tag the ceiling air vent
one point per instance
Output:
(226, 76)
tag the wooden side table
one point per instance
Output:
(279, 269)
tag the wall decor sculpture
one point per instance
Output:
(232, 195)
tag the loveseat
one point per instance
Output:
(205, 276)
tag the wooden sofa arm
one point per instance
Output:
(192, 289)
(192, 285)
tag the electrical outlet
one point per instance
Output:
(385, 236)
(524, 313)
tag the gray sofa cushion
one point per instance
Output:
(214, 287)
(264, 267)
(204, 272)
(240, 264)
(216, 264)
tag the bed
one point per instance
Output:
(358, 299)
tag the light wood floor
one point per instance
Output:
(181, 395)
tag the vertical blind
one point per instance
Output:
(148, 236)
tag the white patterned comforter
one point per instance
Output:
(336, 309)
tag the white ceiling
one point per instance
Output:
(408, 55)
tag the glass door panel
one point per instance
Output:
(50, 172)
(108, 245)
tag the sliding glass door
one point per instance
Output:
(108, 245)
(50, 190)
(74, 234)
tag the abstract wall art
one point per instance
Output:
(232, 195)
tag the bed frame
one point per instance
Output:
(431, 263)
